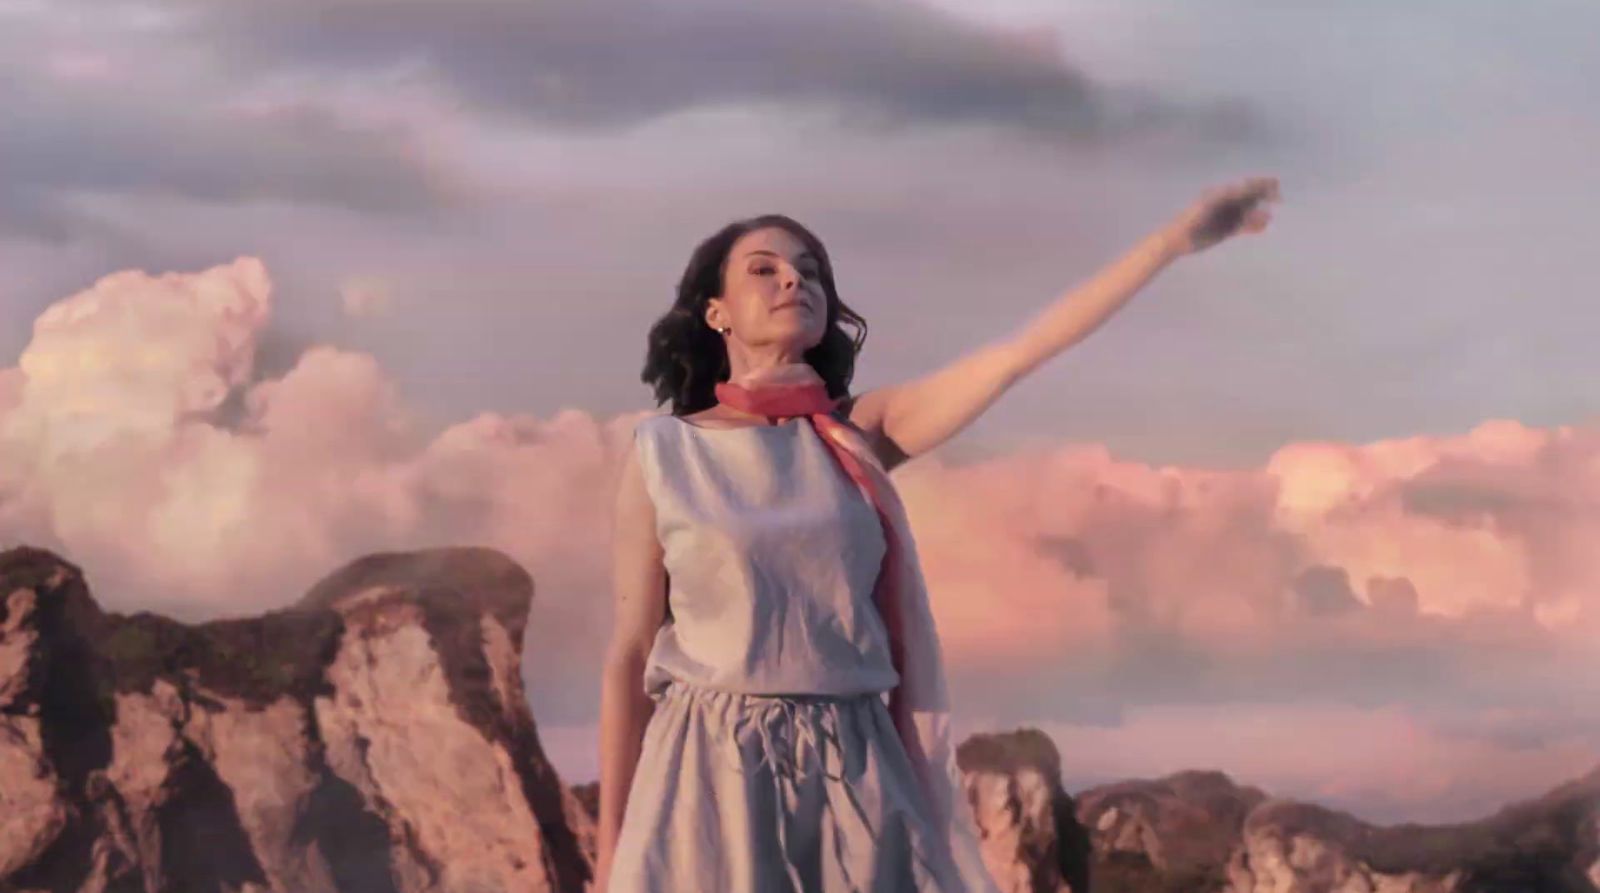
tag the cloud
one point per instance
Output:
(362, 297)
(582, 64)
(1114, 601)
(100, 105)
(135, 354)
(575, 64)
(67, 141)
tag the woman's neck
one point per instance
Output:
(747, 360)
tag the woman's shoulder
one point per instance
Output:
(887, 452)
(841, 413)
(646, 425)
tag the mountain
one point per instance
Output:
(1199, 831)
(375, 737)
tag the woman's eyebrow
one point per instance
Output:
(803, 255)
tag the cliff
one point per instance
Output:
(1198, 831)
(372, 737)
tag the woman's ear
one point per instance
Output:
(714, 314)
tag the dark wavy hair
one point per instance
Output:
(685, 357)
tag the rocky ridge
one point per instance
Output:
(375, 736)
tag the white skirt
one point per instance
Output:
(739, 793)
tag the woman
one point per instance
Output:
(746, 745)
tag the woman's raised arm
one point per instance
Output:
(910, 418)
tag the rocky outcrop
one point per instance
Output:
(1031, 839)
(374, 737)
(1198, 831)
(1550, 843)
(1173, 833)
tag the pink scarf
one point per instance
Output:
(919, 704)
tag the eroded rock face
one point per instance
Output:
(374, 737)
(1031, 840)
(30, 814)
(1175, 832)
(455, 791)
(1289, 847)
(1546, 843)
(1588, 857)
(1199, 831)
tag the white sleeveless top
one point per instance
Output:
(771, 555)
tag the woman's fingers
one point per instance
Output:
(1261, 188)
(1253, 189)
(1249, 195)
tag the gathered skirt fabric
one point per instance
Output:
(742, 793)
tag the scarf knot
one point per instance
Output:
(777, 401)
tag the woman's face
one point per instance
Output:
(771, 293)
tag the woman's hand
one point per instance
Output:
(1221, 212)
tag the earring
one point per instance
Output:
(725, 329)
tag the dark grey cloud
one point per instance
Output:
(1472, 493)
(1321, 589)
(29, 211)
(170, 123)
(160, 121)
(607, 64)
(64, 140)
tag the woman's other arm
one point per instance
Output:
(910, 418)
(639, 592)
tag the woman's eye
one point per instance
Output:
(809, 273)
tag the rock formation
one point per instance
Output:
(1174, 833)
(374, 737)
(1199, 831)
(1032, 841)
(1550, 843)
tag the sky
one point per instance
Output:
(285, 284)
